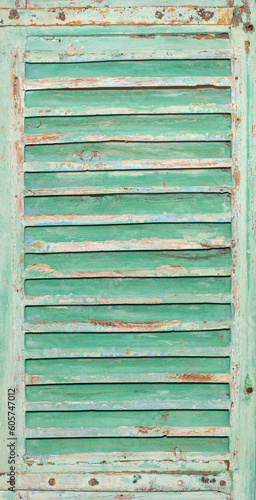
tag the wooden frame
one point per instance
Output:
(242, 447)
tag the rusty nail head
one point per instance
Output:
(222, 483)
(93, 482)
(52, 481)
(248, 27)
(249, 390)
(180, 483)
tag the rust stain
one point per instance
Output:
(61, 16)
(206, 15)
(14, 14)
(247, 47)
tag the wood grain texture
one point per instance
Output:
(127, 102)
(130, 318)
(210, 343)
(116, 15)
(127, 237)
(128, 291)
(213, 262)
(198, 127)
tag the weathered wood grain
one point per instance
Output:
(128, 156)
(127, 209)
(213, 262)
(132, 101)
(67, 183)
(128, 397)
(128, 291)
(210, 343)
(128, 423)
(199, 127)
(90, 48)
(117, 15)
(127, 318)
(127, 237)
(126, 481)
(168, 370)
(42, 495)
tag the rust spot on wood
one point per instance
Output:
(14, 14)
(248, 27)
(93, 482)
(159, 14)
(247, 50)
(206, 15)
(205, 479)
(61, 16)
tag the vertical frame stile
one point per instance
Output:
(236, 251)
(243, 417)
(5, 260)
(17, 153)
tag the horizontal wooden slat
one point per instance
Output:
(80, 371)
(127, 397)
(128, 73)
(106, 445)
(128, 291)
(125, 82)
(127, 209)
(156, 181)
(124, 431)
(55, 495)
(128, 156)
(128, 423)
(123, 102)
(205, 127)
(213, 262)
(111, 345)
(112, 48)
(113, 481)
(127, 237)
(130, 318)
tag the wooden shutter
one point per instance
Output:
(130, 149)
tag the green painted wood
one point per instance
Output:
(127, 318)
(127, 237)
(72, 345)
(127, 481)
(128, 290)
(91, 48)
(112, 102)
(213, 262)
(130, 69)
(199, 495)
(79, 371)
(121, 15)
(208, 127)
(128, 209)
(68, 183)
(132, 156)
(51, 446)
(115, 3)
(128, 396)
(118, 419)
